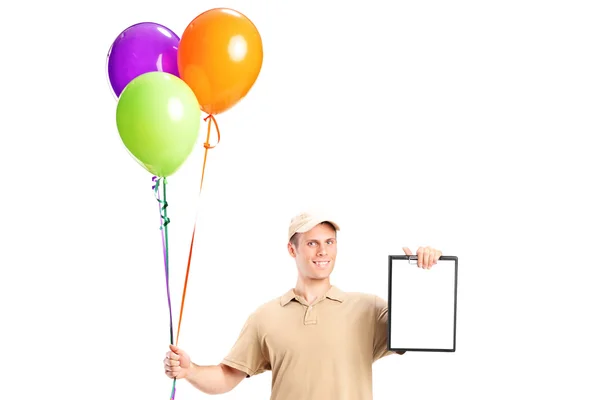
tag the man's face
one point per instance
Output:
(315, 252)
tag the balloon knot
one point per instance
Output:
(211, 119)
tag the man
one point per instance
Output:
(318, 341)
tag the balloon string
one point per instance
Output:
(164, 221)
(207, 146)
(211, 119)
(173, 389)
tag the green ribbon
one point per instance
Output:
(164, 222)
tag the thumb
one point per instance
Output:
(407, 251)
(174, 348)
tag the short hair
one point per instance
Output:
(294, 238)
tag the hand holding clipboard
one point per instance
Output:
(427, 257)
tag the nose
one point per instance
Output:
(322, 251)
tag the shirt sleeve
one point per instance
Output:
(380, 339)
(247, 354)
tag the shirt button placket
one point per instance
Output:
(310, 317)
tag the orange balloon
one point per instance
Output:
(220, 56)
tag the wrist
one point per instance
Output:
(191, 371)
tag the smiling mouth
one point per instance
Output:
(321, 263)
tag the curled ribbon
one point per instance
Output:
(164, 222)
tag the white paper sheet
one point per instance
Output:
(422, 305)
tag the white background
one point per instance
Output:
(470, 126)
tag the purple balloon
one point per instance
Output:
(141, 48)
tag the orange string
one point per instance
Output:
(207, 146)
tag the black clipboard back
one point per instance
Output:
(422, 304)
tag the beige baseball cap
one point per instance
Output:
(305, 221)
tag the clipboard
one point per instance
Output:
(422, 304)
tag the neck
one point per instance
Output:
(311, 289)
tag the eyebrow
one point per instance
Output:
(316, 240)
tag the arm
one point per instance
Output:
(214, 379)
(209, 379)
(245, 359)
(380, 339)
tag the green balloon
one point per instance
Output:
(158, 118)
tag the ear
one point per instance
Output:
(291, 250)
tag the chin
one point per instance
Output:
(321, 274)
(319, 277)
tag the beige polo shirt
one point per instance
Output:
(323, 351)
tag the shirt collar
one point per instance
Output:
(333, 293)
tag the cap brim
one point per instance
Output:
(311, 224)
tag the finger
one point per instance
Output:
(172, 374)
(172, 363)
(407, 251)
(173, 370)
(426, 258)
(171, 356)
(420, 257)
(438, 254)
(432, 256)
